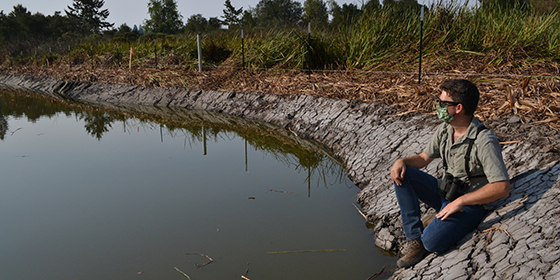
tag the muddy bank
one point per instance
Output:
(519, 240)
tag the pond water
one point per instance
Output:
(92, 194)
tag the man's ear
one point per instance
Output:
(459, 108)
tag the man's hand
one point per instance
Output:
(488, 193)
(449, 209)
(399, 167)
(397, 172)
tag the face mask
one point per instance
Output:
(443, 114)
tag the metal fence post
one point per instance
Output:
(421, 39)
(199, 53)
(309, 48)
(155, 50)
(242, 51)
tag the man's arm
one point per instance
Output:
(490, 192)
(399, 168)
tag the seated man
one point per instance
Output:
(475, 174)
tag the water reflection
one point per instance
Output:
(19, 104)
(195, 126)
(144, 186)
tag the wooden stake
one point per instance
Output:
(130, 59)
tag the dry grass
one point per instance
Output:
(534, 100)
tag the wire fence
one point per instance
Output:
(46, 56)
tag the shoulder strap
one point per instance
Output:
(468, 154)
(469, 149)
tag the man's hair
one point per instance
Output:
(464, 92)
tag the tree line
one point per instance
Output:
(87, 17)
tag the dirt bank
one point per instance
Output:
(533, 100)
(520, 239)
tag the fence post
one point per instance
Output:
(91, 52)
(309, 48)
(155, 50)
(118, 56)
(199, 52)
(130, 58)
(421, 39)
(242, 50)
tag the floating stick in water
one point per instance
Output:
(246, 270)
(182, 273)
(378, 273)
(202, 255)
(363, 215)
(271, 190)
(306, 251)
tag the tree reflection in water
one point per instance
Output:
(194, 125)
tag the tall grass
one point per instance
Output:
(381, 39)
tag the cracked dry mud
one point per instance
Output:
(520, 240)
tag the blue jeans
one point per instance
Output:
(439, 235)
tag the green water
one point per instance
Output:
(90, 194)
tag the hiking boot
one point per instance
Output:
(426, 221)
(415, 252)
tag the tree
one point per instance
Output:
(491, 5)
(401, 5)
(316, 12)
(232, 17)
(371, 5)
(248, 20)
(278, 13)
(214, 23)
(347, 14)
(196, 24)
(59, 25)
(21, 25)
(164, 17)
(124, 28)
(88, 16)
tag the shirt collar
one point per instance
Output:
(471, 131)
(473, 127)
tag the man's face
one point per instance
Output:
(446, 108)
(445, 99)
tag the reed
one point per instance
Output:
(382, 39)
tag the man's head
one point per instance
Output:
(463, 92)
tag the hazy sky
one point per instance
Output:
(135, 12)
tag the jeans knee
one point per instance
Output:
(432, 245)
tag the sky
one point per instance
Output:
(135, 12)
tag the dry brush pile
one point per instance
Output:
(533, 100)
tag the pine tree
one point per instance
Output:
(316, 12)
(232, 17)
(88, 16)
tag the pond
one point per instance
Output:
(132, 192)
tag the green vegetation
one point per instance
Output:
(380, 36)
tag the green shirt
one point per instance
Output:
(486, 163)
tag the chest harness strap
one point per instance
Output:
(468, 154)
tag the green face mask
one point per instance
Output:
(443, 114)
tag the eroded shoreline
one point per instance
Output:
(519, 240)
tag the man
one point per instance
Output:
(473, 178)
